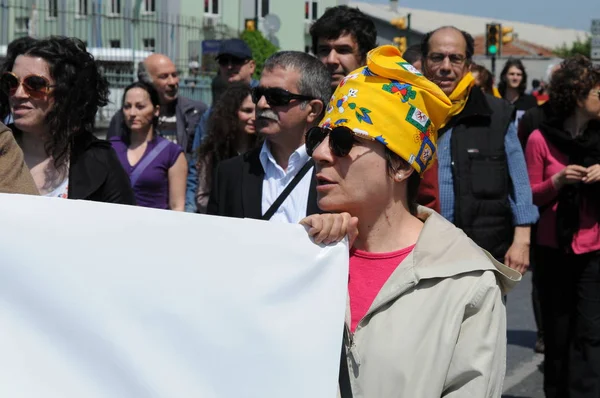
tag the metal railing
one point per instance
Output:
(119, 40)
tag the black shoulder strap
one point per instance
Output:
(288, 189)
(344, 377)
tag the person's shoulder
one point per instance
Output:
(188, 103)
(445, 251)
(526, 102)
(536, 138)
(115, 141)
(236, 163)
(172, 148)
(88, 147)
(497, 103)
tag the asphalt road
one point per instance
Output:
(523, 369)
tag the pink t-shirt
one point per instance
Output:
(368, 274)
(543, 161)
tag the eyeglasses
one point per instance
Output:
(455, 59)
(277, 96)
(341, 139)
(233, 61)
(36, 86)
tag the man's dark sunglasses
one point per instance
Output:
(341, 140)
(225, 60)
(276, 96)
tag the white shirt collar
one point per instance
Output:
(296, 160)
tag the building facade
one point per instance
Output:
(117, 30)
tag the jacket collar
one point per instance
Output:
(252, 182)
(477, 106)
(86, 171)
(434, 258)
(184, 104)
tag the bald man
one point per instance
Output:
(178, 115)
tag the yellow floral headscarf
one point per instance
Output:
(390, 101)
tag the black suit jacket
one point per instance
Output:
(237, 188)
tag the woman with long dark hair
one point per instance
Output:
(230, 132)
(54, 89)
(156, 166)
(563, 161)
(512, 86)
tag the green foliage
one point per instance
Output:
(261, 49)
(583, 47)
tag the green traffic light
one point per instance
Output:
(492, 49)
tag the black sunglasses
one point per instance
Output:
(276, 96)
(341, 139)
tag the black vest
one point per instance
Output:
(480, 171)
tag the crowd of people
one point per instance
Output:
(418, 157)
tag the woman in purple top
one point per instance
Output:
(157, 167)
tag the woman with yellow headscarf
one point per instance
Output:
(425, 314)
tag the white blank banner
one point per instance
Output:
(110, 301)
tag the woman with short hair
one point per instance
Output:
(563, 162)
(426, 316)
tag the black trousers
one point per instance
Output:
(535, 291)
(570, 293)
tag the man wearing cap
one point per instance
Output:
(426, 316)
(483, 182)
(235, 65)
(289, 99)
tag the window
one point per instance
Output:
(115, 7)
(264, 8)
(82, 8)
(21, 25)
(149, 6)
(115, 44)
(311, 10)
(211, 7)
(148, 44)
(52, 9)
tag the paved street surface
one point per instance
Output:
(523, 371)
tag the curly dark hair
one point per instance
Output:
(223, 129)
(80, 89)
(154, 99)
(14, 49)
(340, 20)
(503, 81)
(467, 36)
(571, 83)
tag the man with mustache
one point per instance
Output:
(483, 182)
(276, 181)
(341, 39)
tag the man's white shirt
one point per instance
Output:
(293, 208)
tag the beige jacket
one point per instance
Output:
(437, 328)
(14, 174)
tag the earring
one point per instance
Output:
(399, 176)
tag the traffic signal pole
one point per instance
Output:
(493, 65)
